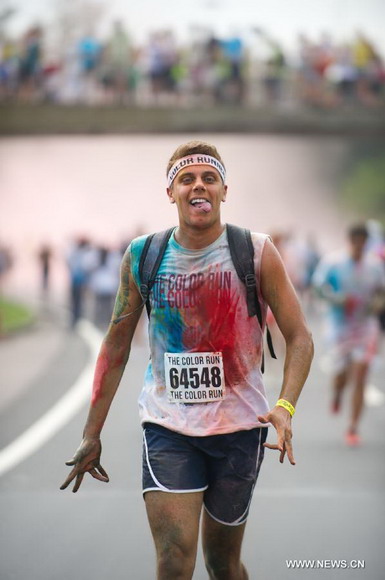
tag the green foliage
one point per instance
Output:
(364, 189)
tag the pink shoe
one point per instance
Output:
(352, 439)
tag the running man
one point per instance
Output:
(350, 282)
(203, 406)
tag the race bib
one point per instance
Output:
(196, 377)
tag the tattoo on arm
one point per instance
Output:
(122, 301)
(123, 295)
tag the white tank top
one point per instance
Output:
(198, 305)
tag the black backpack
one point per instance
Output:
(242, 254)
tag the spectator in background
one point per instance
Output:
(81, 260)
(162, 57)
(368, 66)
(295, 254)
(9, 69)
(203, 69)
(308, 79)
(274, 69)
(349, 282)
(30, 64)
(5, 262)
(315, 58)
(89, 54)
(274, 74)
(233, 54)
(117, 62)
(104, 283)
(45, 256)
(214, 69)
(312, 259)
(342, 74)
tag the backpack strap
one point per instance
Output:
(150, 259)
(242, 254)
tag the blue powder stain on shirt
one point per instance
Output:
(164, 321)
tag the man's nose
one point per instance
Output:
(199, 184)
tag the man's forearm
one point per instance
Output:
(109, 369)
(299, 354)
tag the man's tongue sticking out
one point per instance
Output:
(203, 206)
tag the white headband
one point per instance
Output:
(198, 159)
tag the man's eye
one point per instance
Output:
(210, 179)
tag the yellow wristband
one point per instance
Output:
(286, 405)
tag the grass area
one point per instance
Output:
(13, 316)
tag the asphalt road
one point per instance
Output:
(329, 508)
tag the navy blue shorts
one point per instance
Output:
(225, 467)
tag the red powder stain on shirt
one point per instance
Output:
(216, 318)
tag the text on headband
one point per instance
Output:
(198, 159)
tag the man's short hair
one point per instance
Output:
(191, 148)
(358, 230)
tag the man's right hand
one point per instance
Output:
(86, 459)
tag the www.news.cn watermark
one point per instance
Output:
(326, 564)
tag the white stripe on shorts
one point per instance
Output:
(161, 487)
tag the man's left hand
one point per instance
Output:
(280, 418)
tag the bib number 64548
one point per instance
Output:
(191, 377)
(194, 378)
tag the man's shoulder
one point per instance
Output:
(139, 240)
(259, 235)
(252, 232)
(259, 239)
(136, 247)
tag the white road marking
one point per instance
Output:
(61, 413)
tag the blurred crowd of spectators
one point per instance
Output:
(93, 270)
(93, 274)
(204, 70)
